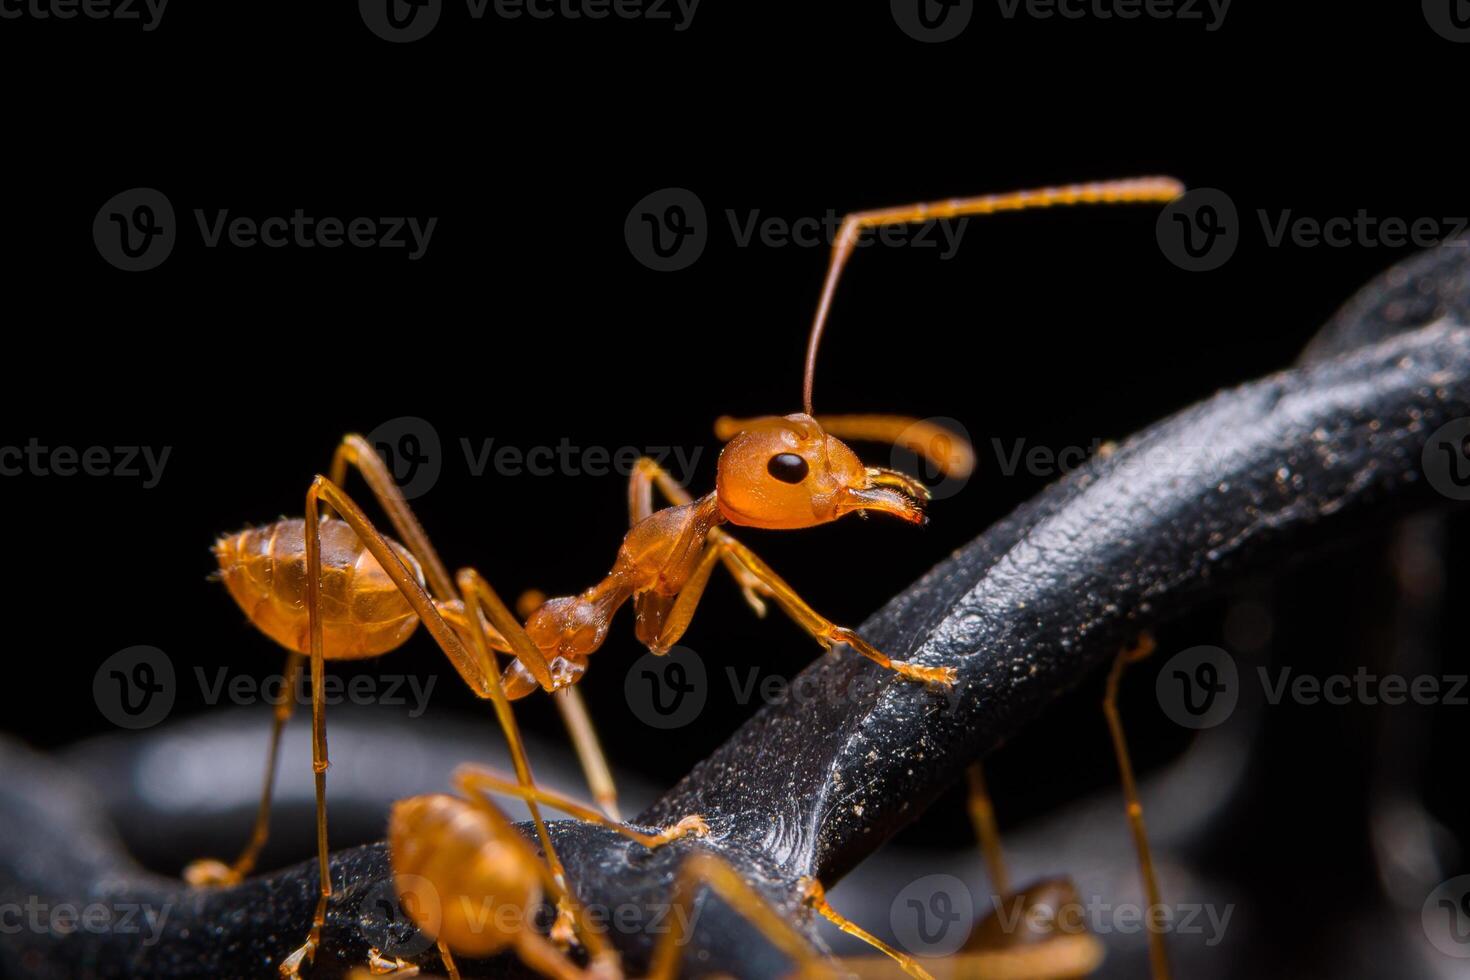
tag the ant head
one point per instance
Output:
(785, 473)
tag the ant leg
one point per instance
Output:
(1043, 937)
(471, 584)
(207, 872)
(545, 960)
(704, 869)
(982, 815)
(824, 630)
(1158, 190)
(661, 627)
(475, 668)
(381, 966)
(578, 722)
(647, 475)
(449, 967)
(357, 452)
(1157, 953)
(815, 896)
(473, 780)
(947, 451)
(290, 967)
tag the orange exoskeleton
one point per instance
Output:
(334, 588)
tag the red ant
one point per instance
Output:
(337, 589)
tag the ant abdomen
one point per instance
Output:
(363, 612)
(457, 877)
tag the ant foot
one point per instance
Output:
(209, 873)
(564, 929)
(691, 826)
(305, 953)
(943, 676)
(394, 969)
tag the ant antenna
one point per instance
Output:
(1134, 190)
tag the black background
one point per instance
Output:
(529, 321)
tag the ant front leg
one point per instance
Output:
(647, 475)
(823, 630)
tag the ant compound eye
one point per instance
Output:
(788, 468)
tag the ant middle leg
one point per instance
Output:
(357, 452)
(987, 831)
(473, 780)
(476, 670)
(815, 896)
(578, 722)
(705, 870)
(1141, 649)
(207, 872)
